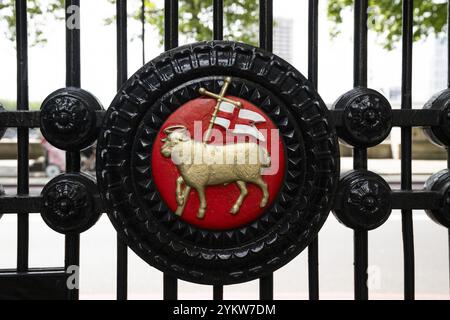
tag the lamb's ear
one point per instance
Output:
(184, 135)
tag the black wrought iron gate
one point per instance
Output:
(24, 282)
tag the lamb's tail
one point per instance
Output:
(266, 162)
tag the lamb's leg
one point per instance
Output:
(263, 186)
(180, 194)
(244, 192)
(202, 197)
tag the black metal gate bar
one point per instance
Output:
(266, 42)
(406, 149)
(170, 24)
(170, 287)
(218, 35)
(313, 66)
(170, 41)
(143, 30)
(122, 76)
(448, 87)
(218, 19)
(400, 118)
(360, 154)
(73, 79)
(22, 134)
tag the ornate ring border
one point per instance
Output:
(165, 73)
(147, 191)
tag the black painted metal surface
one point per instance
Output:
(27, 283)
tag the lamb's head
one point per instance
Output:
(175, 135)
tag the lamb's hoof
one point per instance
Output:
(201, 213)
(263, 203)
(235, 209)
(180, 200)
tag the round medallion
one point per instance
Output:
(217, 163)
(236, 198)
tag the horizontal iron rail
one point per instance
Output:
(400, 199)
(11, 204)
(42, 284)
(401, 118)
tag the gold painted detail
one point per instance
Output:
(201, 164)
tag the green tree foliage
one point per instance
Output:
(37, 15)
(385, 18)
(196, 19)
(241, 18)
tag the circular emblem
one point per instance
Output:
(239, 190)
(217, 163)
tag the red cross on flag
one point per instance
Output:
(239, 120)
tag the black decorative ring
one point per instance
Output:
(367, 117)
(69, 203)
(440, 135)
(365, 200)
(134, 205)
(68, 119)
(440, 182)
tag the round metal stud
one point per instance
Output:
(440, 182)
(139, 186)
(2, 129)
(365, 200)
(440, 135)
(68, 119)
(69, 204)
(367, 118)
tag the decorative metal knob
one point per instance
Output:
(440, 182)
(68, 119)
(440, 135)
(365, 200)
(69, 204)
(367, 118)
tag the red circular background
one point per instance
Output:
(219, 198)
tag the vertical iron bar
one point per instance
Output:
(266, 24)
(266, 288)
(170, 41)
(406, 141)
(360, 237)
(73, 79)
(313, 269)
(143, 30)
(218, 292)
(170, 24)
(122, 76)
(170, 287)
(361, 263)
(448, 44)
(448, 87)
(266, 42)
(313, 44)
(218, 19)
(22, 133)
